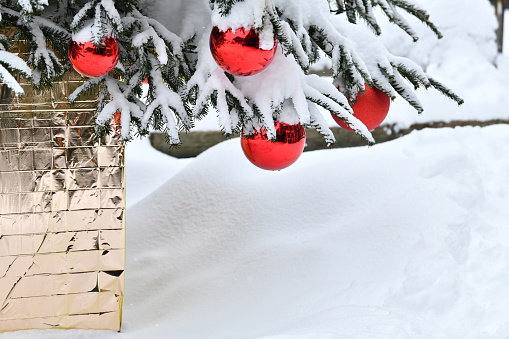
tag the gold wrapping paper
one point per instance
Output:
(62, 211)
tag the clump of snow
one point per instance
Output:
(90, 30)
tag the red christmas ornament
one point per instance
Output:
(275, 155)
(92, 61)
(117, 118)
(117, 122)
(239, 53)
(371, 107)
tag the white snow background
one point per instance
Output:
(406, 239)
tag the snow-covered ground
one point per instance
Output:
(406, 239)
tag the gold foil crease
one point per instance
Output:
(62, 210)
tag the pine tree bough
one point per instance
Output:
(185, 82)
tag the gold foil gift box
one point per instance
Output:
(62, 213)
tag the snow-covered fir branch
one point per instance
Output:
(44, 62)
(168, 102)
(29, 6)
(184, 80)
(365, 9)
(10, 62)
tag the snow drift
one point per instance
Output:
(403, 240)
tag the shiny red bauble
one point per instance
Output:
(94, 61)
(275, 155)
(117, 123)
(239, 53)
(371, 107)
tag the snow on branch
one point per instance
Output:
(14, 62)
(209, 80)
(55, 29)
(10, 62)
(389, 73)
(149, 35)
(446, 91)
(169, 103)
(184, 80)
(415, 75)
(390, 10)
(219, 86)
(90, 83)
(119, 103)
(264, 98)
(318, 28)
(401, 87)
(300, 50)
(356, 54)
(169, 37)
(411, 71)
(106, 19)
(28, 6)
(159, 36)
(324, 94)
(364, 9)
(41, 21)
(115, 96)
(45, 61)
(318, 122)
(418, 12)
(81, 15)
(112, 13)
(10, 81)
(153, 52)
